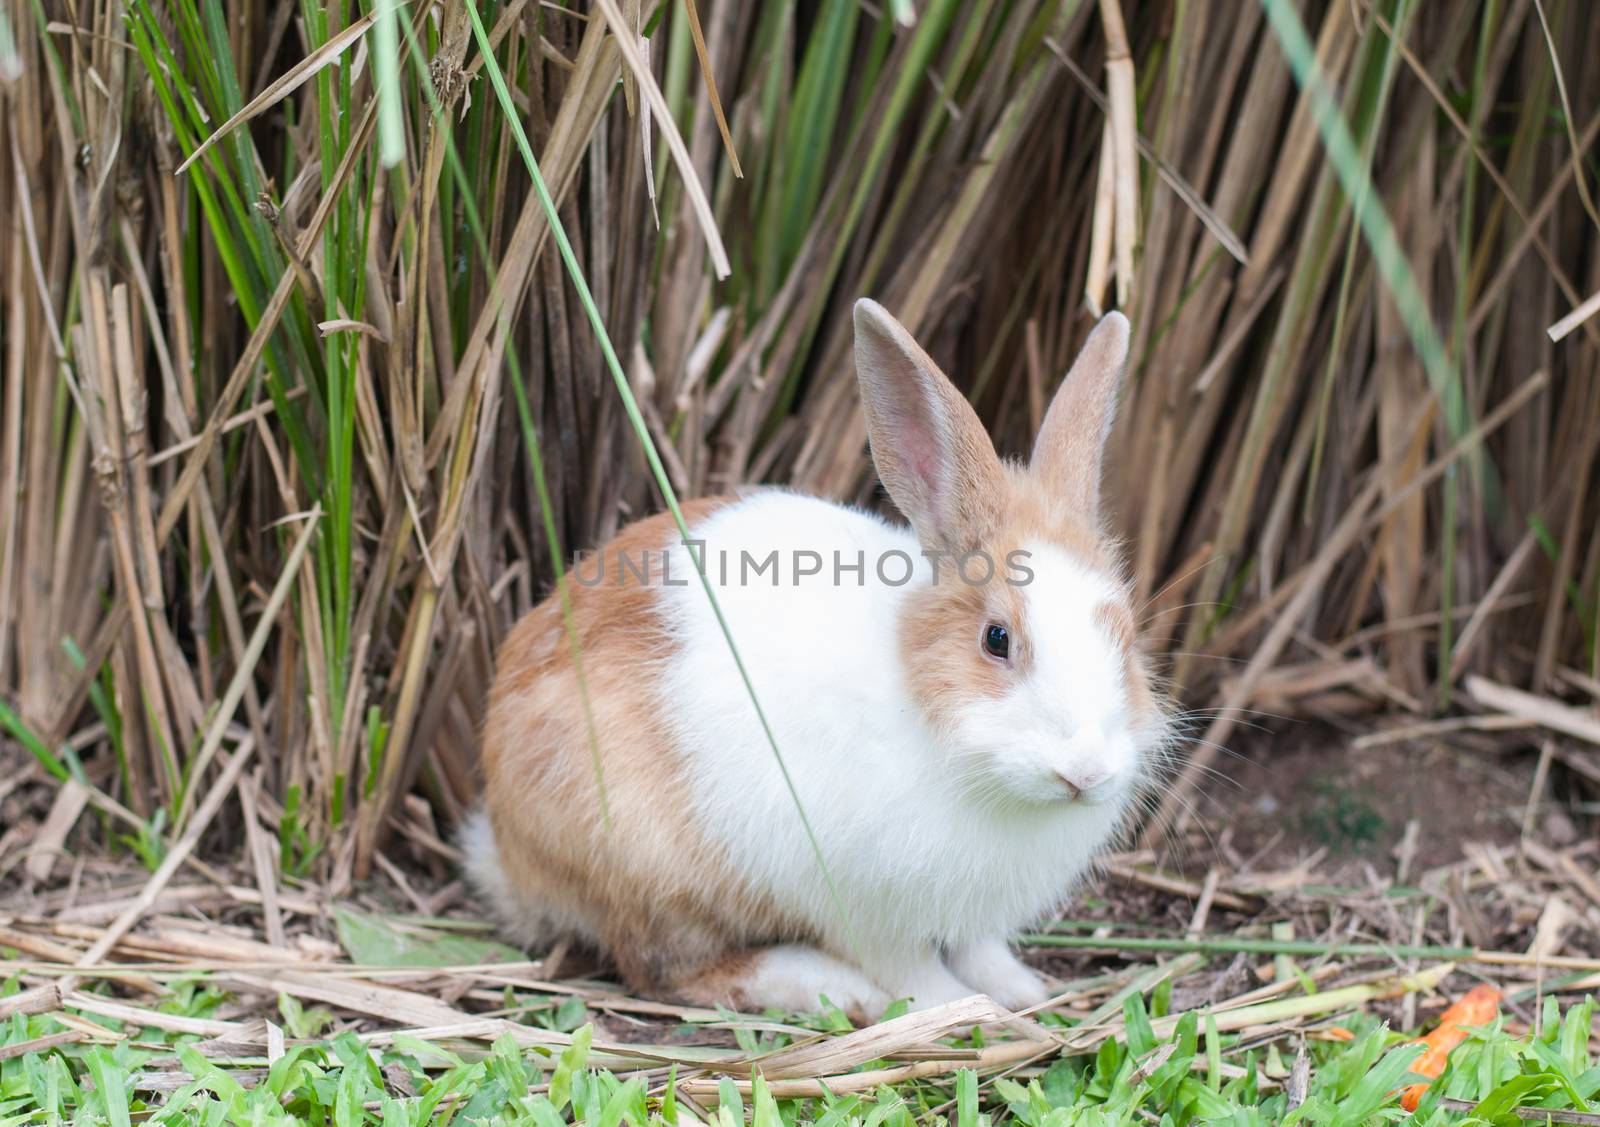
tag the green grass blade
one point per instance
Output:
(530, 435)
(1376, 226)
(10, 65)
(636, 419)
(35, 747)
(386, 71)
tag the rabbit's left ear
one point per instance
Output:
(931, 451)
(1068, 453)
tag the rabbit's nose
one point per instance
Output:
(1074, 791)
(1080, 782)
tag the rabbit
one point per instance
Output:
(955, 751)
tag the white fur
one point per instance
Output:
(990, 967)
(797, 978)
(938, 849)
(484, 871)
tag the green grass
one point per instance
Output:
(1190, 1074)
(1315, 1054)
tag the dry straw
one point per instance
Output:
(1355, 475)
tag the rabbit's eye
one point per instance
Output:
(996, 641)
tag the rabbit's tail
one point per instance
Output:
(483, 869)
(524, 917)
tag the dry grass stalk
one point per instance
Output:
(183, 369)
(1355, 961)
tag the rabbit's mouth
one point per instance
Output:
(1093, 789)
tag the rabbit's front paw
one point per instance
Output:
(923, 981)
(990, 968)
(789, 977)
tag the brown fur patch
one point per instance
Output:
(722, 983)
(1030, 512)
(1117, 620)
(740, 981)
(941, 642)
(940, 637)
(649, 889)
(937, 462)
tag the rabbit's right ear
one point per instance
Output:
(931, 451)
(1071, 445)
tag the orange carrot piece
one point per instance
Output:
(1477, 1006)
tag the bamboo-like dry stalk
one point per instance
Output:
(221, 311)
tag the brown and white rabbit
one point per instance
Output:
(962, 745)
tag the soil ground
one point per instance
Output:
(1304, 789)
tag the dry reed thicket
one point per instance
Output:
(292, 430)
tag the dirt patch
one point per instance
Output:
(1305, 789)
(1300, 829)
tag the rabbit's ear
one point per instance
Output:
(931, 451)
(1068, 452)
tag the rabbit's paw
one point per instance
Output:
(789, 977)
(990, 968)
